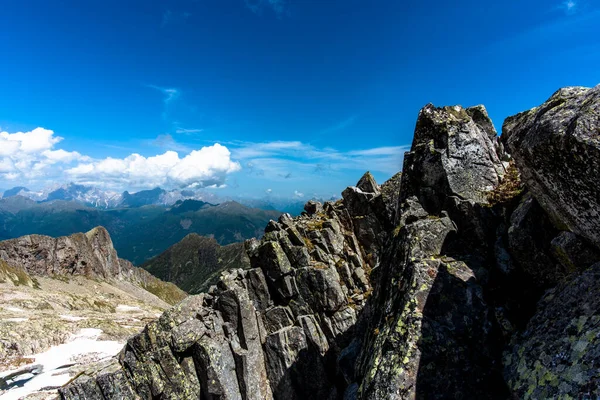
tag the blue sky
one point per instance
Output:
(302, 97)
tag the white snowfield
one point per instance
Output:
(84, 343)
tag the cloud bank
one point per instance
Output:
(27, 157)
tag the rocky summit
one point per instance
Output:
(473, 274)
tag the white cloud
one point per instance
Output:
(63, 156)
(6, 166)
(28, 142)
(298, 194)
(206, 167)
(30, 157)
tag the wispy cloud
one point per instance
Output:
(279, 7)
(170, 97)
(167, 142)
(170, 94)
(297, 160)
(341, 125)
(171, 17)
(185, 131)
(377, 151)
(569, 6)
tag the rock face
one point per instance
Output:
(432, 332)
(418, 288)
(453, 154)
(557, 149)
(558, 355)
(88, 254)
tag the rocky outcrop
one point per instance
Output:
(419, 288)
(88, 254)
(453, 155)
(432, 333)
(557, 149)
(275, 330)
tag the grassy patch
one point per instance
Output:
(510, 187)
(309, 244)
(314, 224)
(165, 291)
(18, 276)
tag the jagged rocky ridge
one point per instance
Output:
(88, 254)
(426, 289)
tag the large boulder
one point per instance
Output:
(557, 149)
(454, 153)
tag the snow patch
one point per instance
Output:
(15, 319)
(126, 308)
(83, 346)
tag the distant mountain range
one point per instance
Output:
(139, 232)
(105, 199)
